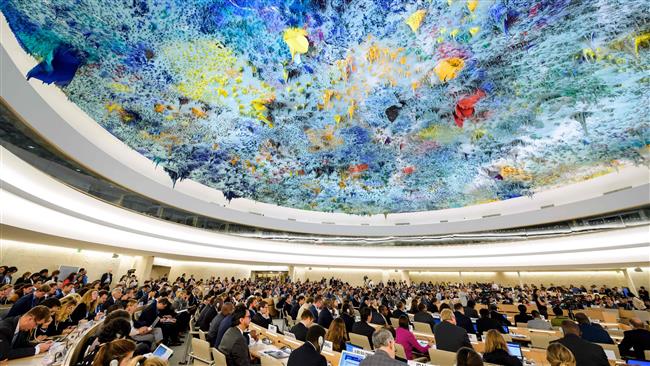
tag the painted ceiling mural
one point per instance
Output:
(357, 106)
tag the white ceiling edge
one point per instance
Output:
(47, 110)
(33, 201)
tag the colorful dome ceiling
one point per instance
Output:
(358, 106)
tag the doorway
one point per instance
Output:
(267, 275)
(158, 272)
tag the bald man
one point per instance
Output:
(635, 341)
(585, 352)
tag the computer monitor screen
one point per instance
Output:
(515, 350)
(351, 347)
(436, 320)
(350, 359)
(475, 328)
(505, 329)
(638, 362)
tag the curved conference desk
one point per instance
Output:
(70, 356)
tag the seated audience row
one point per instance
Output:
(160, 311)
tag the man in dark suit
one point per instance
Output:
(309, 353)
(143, 292)
(449, 336)
(470, 312)
(296, 307)
(316, 306)
(262, 317)
(206, 314)
(362, 327)
(592, 332)
(226, 309)
(501, 318)
(485, 323)
(423, 316)
(384, 345)
(325, 316)
(15, 334)
(300, 329)
(586, 353)
(233, 344)
(25, 303)
(462, 320)
(115, 298)
(148, 314)
(376, 317)
(400, 310)
(635, 341)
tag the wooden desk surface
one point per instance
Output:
(282, 341)
(258, 349)
(28, 361)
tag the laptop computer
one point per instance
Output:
(350, 359)
(638, 362)
(351, 347)
(515, 350)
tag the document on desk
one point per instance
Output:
(276, 353)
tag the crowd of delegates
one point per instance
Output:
(159, 311)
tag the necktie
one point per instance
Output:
(13, 340)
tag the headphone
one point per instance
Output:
(321, 342)
(114, 363)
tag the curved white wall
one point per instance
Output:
(46, 109)
(32, 200)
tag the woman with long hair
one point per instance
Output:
(61, 321)
(86, 302)
(414, 306)
(558, 355)
(337, 334)
(496, 350)
(112, 329)
(347, 314)
(120, 350)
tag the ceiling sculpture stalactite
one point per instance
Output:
(358, 106)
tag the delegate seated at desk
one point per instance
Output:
(14, 334)
(309, 353)
(233, 344)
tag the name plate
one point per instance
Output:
(363, 352)
(273, 329)
(414, 363)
